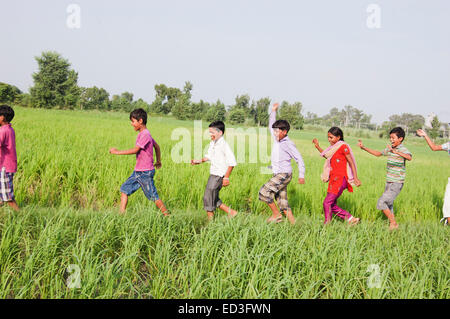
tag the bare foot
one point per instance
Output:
(354, 221)
(275, 219)
(393, 226)
(290, 216)
(232, 213)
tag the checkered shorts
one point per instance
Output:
(6, 186)
(276, 188)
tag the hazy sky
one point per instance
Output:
(321, 53)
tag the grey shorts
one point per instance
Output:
(391, 191)
(211, 199)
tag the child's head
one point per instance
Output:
(281, 129)
(335, 135)
(216, 129)
(7, 112)
(396, 136)
(138, 118)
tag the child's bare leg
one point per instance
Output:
(228, 210)
(392, 223)
(210, 215)
(290, 216)
(275, 212)
(123, 202)
(159, 203)
(13, 205)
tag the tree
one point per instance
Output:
(409, 122)
(347, 115)
(292, 114)
(141, 104)
(262, 111)
(94, 98)
(55, 84)
(181, 109)
(8, 93)
(123, 102)
(236, 116)
(242, 102)
(358, 115)
(198, 110)
(435, 127)
(166, 97)
(216, 112)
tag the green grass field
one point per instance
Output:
(68, 187)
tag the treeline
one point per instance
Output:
(56, 86)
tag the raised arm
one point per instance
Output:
(368, 150)
(272, 118)
(316, 144)
(430, 143)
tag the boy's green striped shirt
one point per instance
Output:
(396, 164)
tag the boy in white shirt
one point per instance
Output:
(222, 163)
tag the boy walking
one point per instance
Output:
(397, 155)
(144, 171)
(283, 150)
(8, 157)
(222, 163)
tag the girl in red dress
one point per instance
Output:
(340, 173)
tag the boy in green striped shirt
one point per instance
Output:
(397, 155)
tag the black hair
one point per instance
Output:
(218, 125)
(282, 125)
(336, 131)
(139, 114)
(398, 131)
(7, 112)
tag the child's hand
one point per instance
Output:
(421, 133)
(301, 181)
(113, 150)
(158, 165)
(390, 148)
(195, 162)
(225, 182)
(315, 142)
(360, 144)
(357, 182)
(275, 107)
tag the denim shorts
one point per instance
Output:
(142, 180)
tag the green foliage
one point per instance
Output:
(435, 127)
(55, 84)
(8, 93)
(94, 98)
(262, 111)
(216, 112)
(292, 114)
(23, 99)
(123, 102)
(181, 110)
(409, 122)
(236, 116)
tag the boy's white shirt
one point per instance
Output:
(221, 157)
